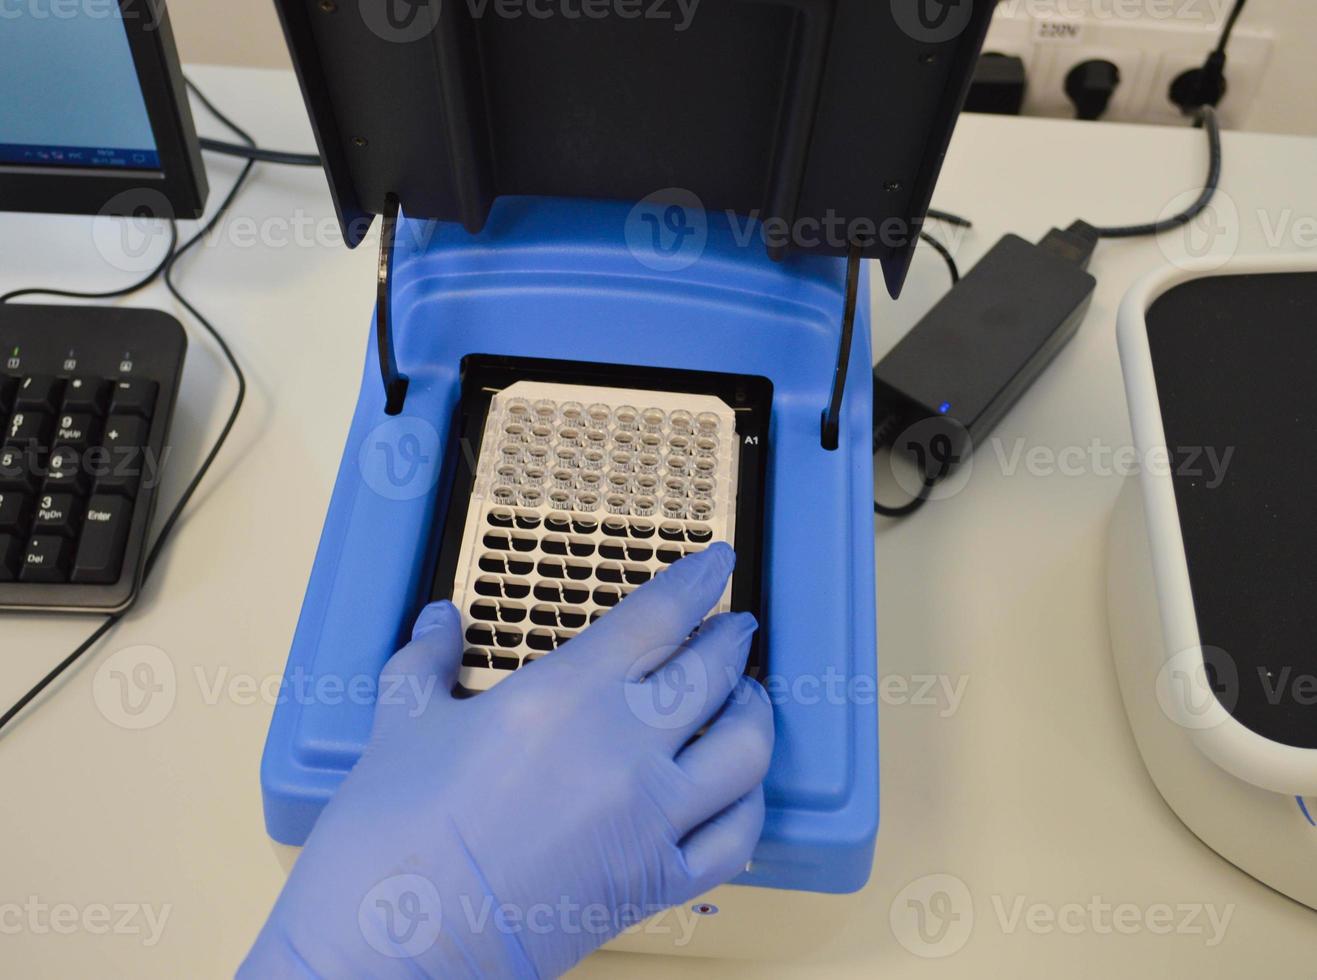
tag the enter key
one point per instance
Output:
(104, 534)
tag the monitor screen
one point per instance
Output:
(70, 90)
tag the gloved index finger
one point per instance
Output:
(647, 627)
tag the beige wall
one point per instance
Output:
(246, 32)
(1288, 100)
(228, 32)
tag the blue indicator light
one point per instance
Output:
(944, 408)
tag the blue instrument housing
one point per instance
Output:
(600, 281)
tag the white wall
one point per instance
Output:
(246, 32)
(1285, 83)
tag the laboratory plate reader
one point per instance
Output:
(621, 313)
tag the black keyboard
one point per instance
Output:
(86, 398)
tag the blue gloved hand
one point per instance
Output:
(512, 833)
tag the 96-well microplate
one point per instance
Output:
(581, 495)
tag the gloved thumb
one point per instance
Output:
(422, 673)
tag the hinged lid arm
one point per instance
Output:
(395, 384)
(832, 414)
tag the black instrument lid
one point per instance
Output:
(820, 113)
(1235, 358)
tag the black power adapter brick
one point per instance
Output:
(946, 384)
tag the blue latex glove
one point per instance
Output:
(512, 833)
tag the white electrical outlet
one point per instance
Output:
(1056, 61)
(1246, 63)
(1148, 52)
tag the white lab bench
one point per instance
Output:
(1006, 760)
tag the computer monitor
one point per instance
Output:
(94, 116)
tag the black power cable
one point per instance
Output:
(951, 219)
(1206, 85)
(910, 506)
(884, 437)
(167, 267)
(228, 123)
(1229, 27)
(952, 269)
(151, 277)
(1207, 116)
(256, 153)
(933, 214)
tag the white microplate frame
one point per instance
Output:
(551, 494)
